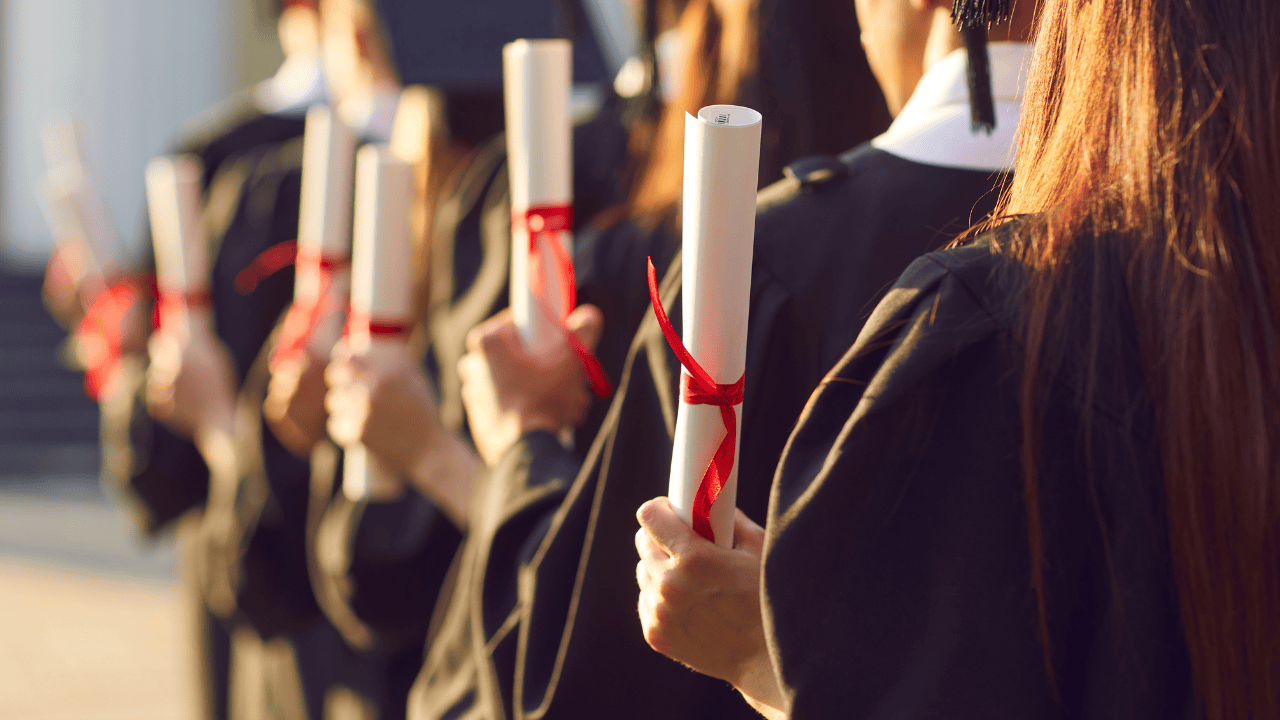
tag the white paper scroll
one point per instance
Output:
(77, 213)
(73, 204)
(382, 264)
(721, 172)
(324, 224)
(536, 80)
(181, 249)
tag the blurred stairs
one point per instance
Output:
(48, 426)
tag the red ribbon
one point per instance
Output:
(305, 314)
(100, 332)
(544, 225)
(269, 262)
(172, 303)
(698, 388)
(380, 327)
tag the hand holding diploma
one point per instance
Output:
(381, 294)
(190, 382)
(700, 603)
(536, 85)
(509, 390)
(386, 406)
(721, 167)
(294, 406)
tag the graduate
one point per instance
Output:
(250, 545)
(157, 468)
(254, 542)
(377, 563)
(543, 614)
(165, 473)
(1042, 481)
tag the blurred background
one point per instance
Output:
(91, 618)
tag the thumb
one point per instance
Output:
(479, 335)
(587, 322)
(746, 533)
(660, 520)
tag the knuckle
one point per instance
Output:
(656, 636)
(670, 588)
(696, 562)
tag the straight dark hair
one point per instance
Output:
(1151, 129)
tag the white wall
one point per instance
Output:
(131, 72)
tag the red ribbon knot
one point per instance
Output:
(376, 327)
(100, 332)
(306, 313)
(170, 304)
(544, 225)
(698, 388)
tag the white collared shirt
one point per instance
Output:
(934, 127)
(296, 86)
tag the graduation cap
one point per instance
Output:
(972, 18)
(457, 46)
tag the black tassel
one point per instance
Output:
(967, 13)
(982, 108)
(973, 17)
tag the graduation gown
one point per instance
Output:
(542, 621)
(897, 572)
(251, 202)
(380, 565)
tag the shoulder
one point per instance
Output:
(813, 174)
(943, 304)
(859, 170)
(236, 125)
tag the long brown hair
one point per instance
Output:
(1151, 129)
(799, 62)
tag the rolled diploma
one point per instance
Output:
(182, 267)
(177, 232)
(381, 287)
(75, 208)
(721, 171)
(76, 216)
(536, 81)
(324, 225)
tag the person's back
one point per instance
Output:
(1042, 480)
(552, 543)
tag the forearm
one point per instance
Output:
(446, 472)
(216, 444)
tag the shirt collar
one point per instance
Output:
(296, 86)
(934, 127)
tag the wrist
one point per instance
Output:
(446, 471)
(759, 685)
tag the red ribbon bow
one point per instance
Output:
(698, 388)
(544, 225)
(170, 304)
(305, 314)
(383, 327)
(267, 263)
(100, 332)
(301, 320)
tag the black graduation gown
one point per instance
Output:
(543, 616)
(380, 565)
(897, 573)
(252, 201)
